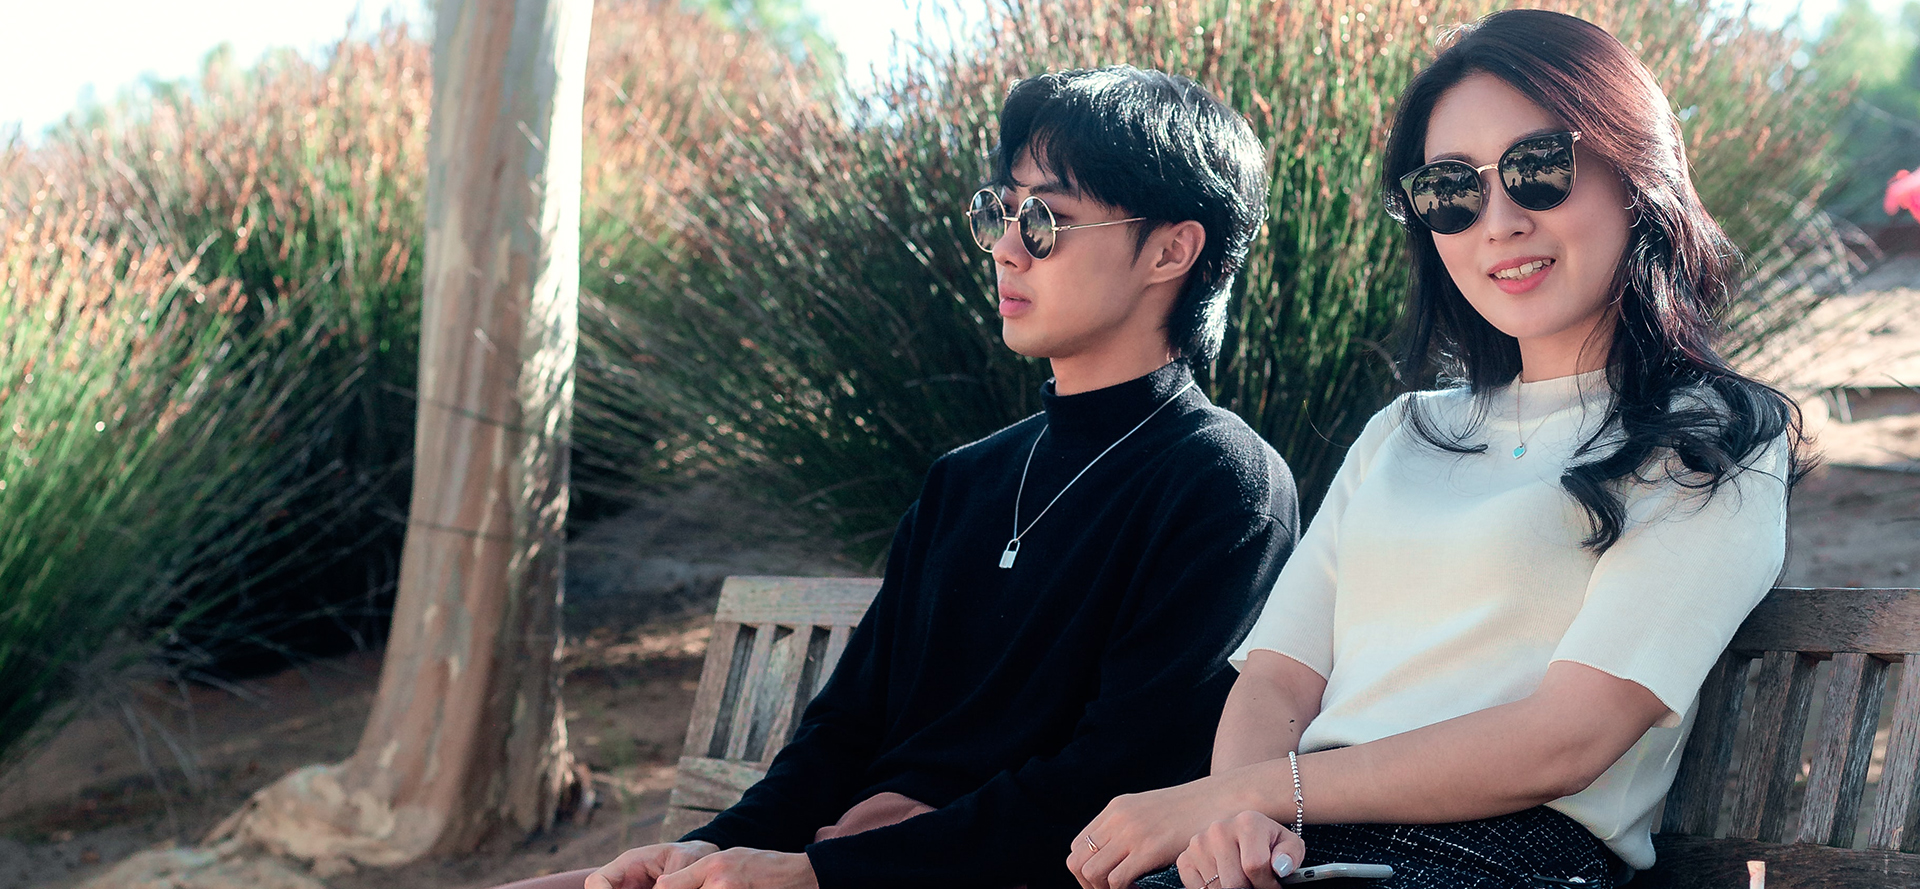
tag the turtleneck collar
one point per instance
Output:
(1100, 416)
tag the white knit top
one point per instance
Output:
(1434, 584)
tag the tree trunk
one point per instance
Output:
(466, 743)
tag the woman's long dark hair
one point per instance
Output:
(1679, 268)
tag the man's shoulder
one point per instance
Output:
(1219, 452)
(1015, 437)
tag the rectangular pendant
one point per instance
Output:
(1012, 551)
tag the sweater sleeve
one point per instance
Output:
(1297, 619)
(1162, 681)
(1667, 597)
(811, 782)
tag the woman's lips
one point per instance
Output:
(1525, 282)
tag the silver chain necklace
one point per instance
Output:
(1520, 425)
(1013, 545)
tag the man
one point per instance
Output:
(1059, 603)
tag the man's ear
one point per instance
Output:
(1172, 251)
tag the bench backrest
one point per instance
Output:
(1804, 823)
(775, 641)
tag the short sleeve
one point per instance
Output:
(1667, 597)
(1297, 619)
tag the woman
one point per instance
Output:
(1487, 648)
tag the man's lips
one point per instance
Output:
(1013, 304)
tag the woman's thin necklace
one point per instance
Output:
(1519, 423)
(1013, 546)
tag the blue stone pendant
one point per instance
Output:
(1519, 452)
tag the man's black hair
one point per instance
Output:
(1154, 145)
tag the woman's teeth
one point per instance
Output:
(1521, 271)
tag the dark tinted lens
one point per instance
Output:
(1446, 196)
(1036, 227)
(986, 218)
(1538, 173)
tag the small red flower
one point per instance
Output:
(1903, 193)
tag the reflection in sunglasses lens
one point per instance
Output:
(1036, 227)
(987, 219)
(1538, 173)
(1447, 197)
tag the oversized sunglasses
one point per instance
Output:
(987, 218)
(1537, 173)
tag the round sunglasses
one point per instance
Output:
(1537, 173)
(987, 218)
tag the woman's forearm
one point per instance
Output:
(1491, 762)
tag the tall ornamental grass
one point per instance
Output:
(820, 321)
(154, 424)
(301, 184)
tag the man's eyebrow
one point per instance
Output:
(1462, 156)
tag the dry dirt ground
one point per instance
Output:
(644, 582)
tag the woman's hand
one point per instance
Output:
(1139, 833)
(1248, 849)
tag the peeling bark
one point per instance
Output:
(466, 743)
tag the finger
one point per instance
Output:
(1190, 875)
(693, 876)
(1292, 848)
(1226, 864)
(1256, 841)
(1096, 870)
(613, 874)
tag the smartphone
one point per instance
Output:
(1340, 871)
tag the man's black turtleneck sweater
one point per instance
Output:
(1019, 701)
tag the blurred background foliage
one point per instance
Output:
(1880, 130)
(776, 289)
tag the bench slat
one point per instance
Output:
(773, 694)
(1876, 621)
(1897, 813)
(812, 676)
(749, 680)
(1693, 805)
(1697, 862)
(707, 783)
(827, 601)
(1772, 756)
(1843, 750)
(703, 722)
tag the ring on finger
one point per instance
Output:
(1210, 881)
(1091, 845)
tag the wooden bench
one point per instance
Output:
(775, 641)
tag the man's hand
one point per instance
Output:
(878, 810)
(1140, 833)
(642, 868)
(744, 869)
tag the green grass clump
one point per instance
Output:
(302, 184)
(153, 422)
(812, 313)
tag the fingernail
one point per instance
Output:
(1282, 864)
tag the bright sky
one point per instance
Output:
(54, 52)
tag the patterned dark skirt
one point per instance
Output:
(1535, 849)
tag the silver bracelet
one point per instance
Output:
(1299, 801)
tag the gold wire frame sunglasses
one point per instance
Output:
(987, 218)
(1536, 172)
